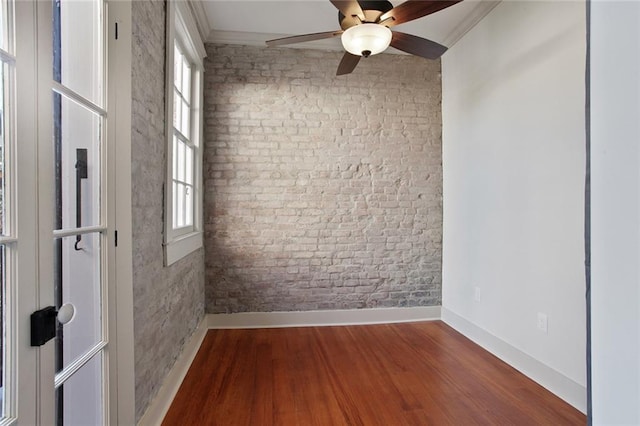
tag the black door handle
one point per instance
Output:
(81, 173)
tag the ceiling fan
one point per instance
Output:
(365, 29)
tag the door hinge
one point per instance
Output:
(43, 325)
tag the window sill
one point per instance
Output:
(181, 246)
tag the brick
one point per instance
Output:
(168, 301)
(322, 192)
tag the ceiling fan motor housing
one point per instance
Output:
(372, 11)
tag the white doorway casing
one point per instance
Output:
(615, 212)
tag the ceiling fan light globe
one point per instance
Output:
(373, 38)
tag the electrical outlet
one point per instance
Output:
(476, 294)
(542, 322)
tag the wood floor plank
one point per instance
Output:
(395, 374)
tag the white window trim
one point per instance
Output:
(182, 27)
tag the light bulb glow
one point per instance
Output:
(373, 38)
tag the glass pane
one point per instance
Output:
(4, 139)
(78, 284)
(186, 80)
(77, 38)
(180, 161)
(77, 135)
(177, 68)
(175, 205)
(185, 115)
(188, 172)
(3, 331)
(188, 206)
(180, 205)
(79, 398)
(175, 156)
(177, 118)
(4, 27)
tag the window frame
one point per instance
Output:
(183, 32)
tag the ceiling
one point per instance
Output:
(252, 22)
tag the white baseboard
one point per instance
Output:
(323, 318)
(557, 383)
(159, 406)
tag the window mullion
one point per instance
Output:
(183, 182)
(183, 138)
(181, 96)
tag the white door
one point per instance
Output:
(76, 251)
(57, 233)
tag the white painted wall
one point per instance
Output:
(615, 156)
(514, 167)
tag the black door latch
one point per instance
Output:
(43, 325)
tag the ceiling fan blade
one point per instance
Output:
(417, 45)
(348, 63)
(303, 38)
(349, 8)
(413, 9)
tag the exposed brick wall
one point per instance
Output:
(322, 192)
(168, 302)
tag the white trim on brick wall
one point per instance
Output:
(157, 409)
(557, 383)
(323, 318)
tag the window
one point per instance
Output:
(183, 146)
(183, 189)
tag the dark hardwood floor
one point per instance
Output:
(397, 374)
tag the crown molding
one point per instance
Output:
(481, 10)
(190, 35)
(202, 20)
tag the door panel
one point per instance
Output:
(73, 248)
(77, 139)
(79, 52)
(82, 293)
(82, 395)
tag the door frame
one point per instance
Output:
(121, 375)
